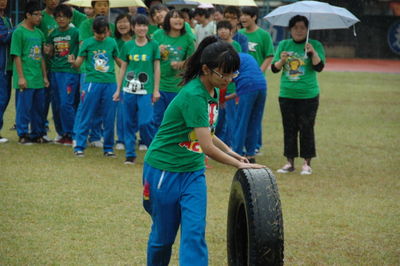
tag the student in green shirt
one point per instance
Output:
(299, 92)
(63, 41)
(139, 80)
(260, 41)
(99, 53)
(176, 45)
(174, 180)
(157, 14)
(29, 76)
(123, 34)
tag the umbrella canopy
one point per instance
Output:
(113, 3)
(320, 15)
(229, 2)
(182, 3)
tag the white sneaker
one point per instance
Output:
(120, 146)
(57, 138)
(306, 170)
(45, 137)
(143, 147)
(287, 168)
(96, 144)
(3, 140)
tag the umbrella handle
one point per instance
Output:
(305, 45)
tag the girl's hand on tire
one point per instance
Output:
(250, 165)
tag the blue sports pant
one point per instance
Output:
(176, 199)
(30, 111)
(120, 121)
(160, 106)
(5, 93)
(137, 113)
(249, 115)
(64, 87)
(226, 122)
(94, 97)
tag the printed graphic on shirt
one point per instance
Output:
(36, 53)
(61, 45)
(193, 143)
(252, 46)
(171, 53)
(295, 66)
(136, 82)
(101, 60)
(138, 57)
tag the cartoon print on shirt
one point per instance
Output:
(101, 60)
(252, 46)
(295, 67)
(36, 53)
(136, 82)
(193, 143)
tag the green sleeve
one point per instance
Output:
(193, 114)
(85, 30)
(122, 53)
(269, 45)
(75, 42)
(78, 18)
(83, 50)
(189, 31)
(156, 51)
(115, 50)
(16, 43)
(191, 47)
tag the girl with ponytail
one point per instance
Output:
(174, 171)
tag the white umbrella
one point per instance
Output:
(229, 2)
(181, 3)
(320, 15)
(113, 3)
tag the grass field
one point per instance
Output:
(60, 210)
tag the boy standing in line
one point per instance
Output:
(205, 26)
(64, 40)
(5, 62)
(232, 14)
(260, 41)
(99, 53)
(29, 76)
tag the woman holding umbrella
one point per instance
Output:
(299, 92)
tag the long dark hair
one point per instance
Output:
(140, 19)
(214, 54)
(120, 17)
(167, 22)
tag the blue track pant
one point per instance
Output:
(95, 96)
(137, 113)
(160, 106)
(120, 122)
(174, 199)
(249, 116)
(30, 108)
(5, 93)
(226, 122)
(64, 86)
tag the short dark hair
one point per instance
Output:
(188, 11)
(93, 3)
(32, 6)
(233, 10)
(296, 19)
(167, 24)
(63, 10)
(224, 24)
(140, 19)
(118, 18)
(100, 24)
(251, 11)
(157, 7)
(218, 9)
(202, 12)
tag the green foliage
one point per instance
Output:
(58, 209)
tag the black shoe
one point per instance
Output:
(130, 160)
(14, 127)
(40, 140)
(110, 154)
(24, 140)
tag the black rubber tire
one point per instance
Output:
(255, 224)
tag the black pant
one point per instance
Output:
(298, 116)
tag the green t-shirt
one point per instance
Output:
(298, 80)
(178, 49)
(152, 29)
(175, 148)
(99, 59)
(77, 18)
(47, 24)
(28, 44)
(140, 60)
(260, 44)
(86, 29)
(236, 46)
(64, 43)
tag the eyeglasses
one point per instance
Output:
(37, 14)
(227, 78)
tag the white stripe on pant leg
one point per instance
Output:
(161, 179)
